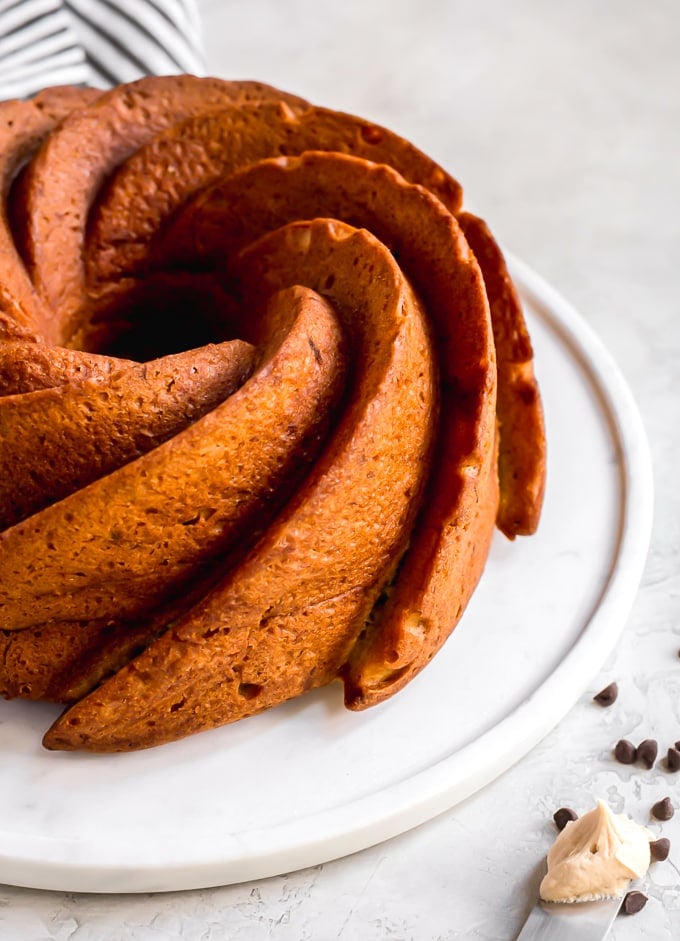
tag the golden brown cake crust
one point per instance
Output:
(68, 436)
(208, 147)
(522, 450)
(23, 127)
(255, 399)
(451, 537)
(126, 540)
(90, 142)
(314, 573)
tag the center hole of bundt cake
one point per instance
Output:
(162, 315)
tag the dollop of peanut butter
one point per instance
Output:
(595, 857)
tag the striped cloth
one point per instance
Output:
(94, 42)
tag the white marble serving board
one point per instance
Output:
(309, 781)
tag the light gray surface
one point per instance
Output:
(563, 123)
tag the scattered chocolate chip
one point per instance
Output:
(563, 816)
(625, 752)
(634, 902)
(659, 849)
(663, 809)
(677, 744)
(607, 695)
(673, 758)
(647, 751)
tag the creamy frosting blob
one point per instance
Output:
(595, 857)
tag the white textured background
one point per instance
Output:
(562, 120)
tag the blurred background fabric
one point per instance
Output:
(95, 42)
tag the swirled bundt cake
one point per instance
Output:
(265, 391)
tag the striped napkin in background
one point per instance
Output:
(94, 42)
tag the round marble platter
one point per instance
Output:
(309, 781)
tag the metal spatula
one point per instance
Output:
(576, 921)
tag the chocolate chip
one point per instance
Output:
(634, 902)
(663, 809)
(607, 695)
(625, 752)
(677, 744)
(673, 758)
(563, 816)
(647, 752)
(659, 849)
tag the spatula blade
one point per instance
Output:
(577, 921)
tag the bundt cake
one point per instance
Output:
(265, 391)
